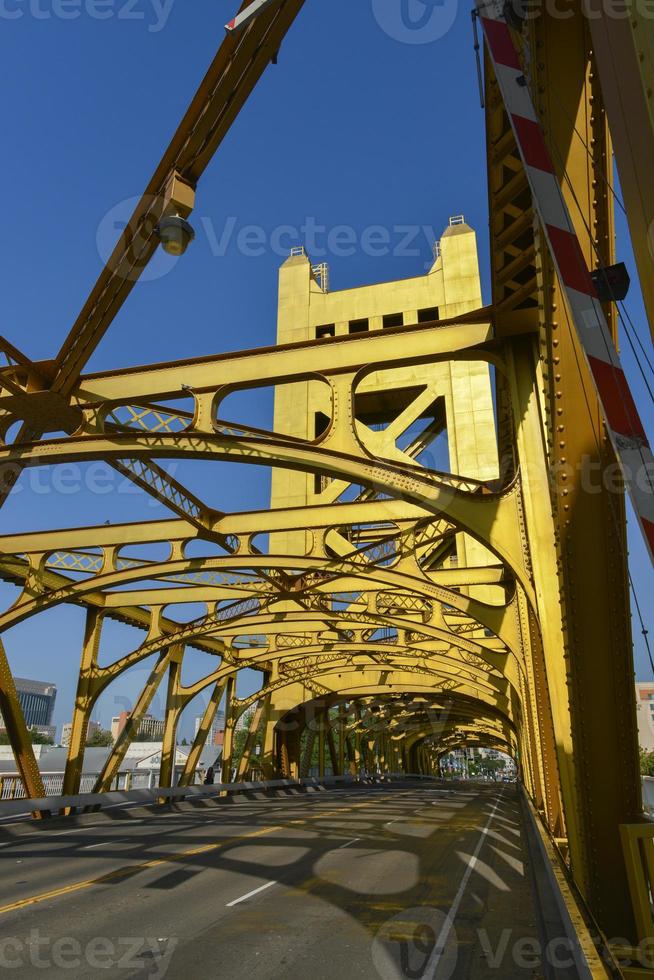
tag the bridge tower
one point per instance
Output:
(451, 401)
(438, 414)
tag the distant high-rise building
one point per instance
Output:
(37, 700)
(152, 727)
(217, 730)
(94, 726)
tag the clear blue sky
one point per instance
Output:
(355, 126)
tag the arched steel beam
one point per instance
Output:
(502, 620)
(495, 519)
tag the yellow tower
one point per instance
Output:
(440, 415)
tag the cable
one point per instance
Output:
(617, 199)
(617, 522)
(643, 628)
(636, 335)
(615, 195)
(608, 344)
(640, 367)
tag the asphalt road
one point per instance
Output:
(405, 881)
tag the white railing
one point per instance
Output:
(11, 785)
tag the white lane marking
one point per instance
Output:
(255, 891)
(437, 953)
(108, 843)
(63, 833)
(389, 822)
(347, 843)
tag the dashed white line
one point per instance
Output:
(108, 843)
(63, 833)
(347, 843)
(255, 891)
(435, 958)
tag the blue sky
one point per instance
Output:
(355, 126)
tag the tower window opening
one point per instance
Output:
(429, 314)
(358, 326)
(393, 320)
(326, 330)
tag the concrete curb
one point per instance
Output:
(588, 962)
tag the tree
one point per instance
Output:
(646, 763)
(38, 738)
(184, 742)
(99, 738)
(144, 737)
(240, 736)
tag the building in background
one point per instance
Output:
(139, 769)
(217, 730)
(152, 728)
(645, 715)
(94, 726)
(37, 701)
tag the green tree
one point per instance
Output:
(38, 738)
(144, 737)
(99, 738)
(646, 763)
(240, 736)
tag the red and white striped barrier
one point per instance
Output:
(246, 15)
(623, 422)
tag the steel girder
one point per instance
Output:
(368, 624)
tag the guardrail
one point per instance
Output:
(11, 785)
(158, 795)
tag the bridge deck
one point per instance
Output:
(404, 880)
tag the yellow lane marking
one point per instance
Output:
(133, 869)
(129, 870)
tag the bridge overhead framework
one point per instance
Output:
(432, 572)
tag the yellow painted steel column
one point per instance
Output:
(321, 744)
(84, 702)
(342, 719)
(200, 739)
(174, 704)
(259, 717)
(580, 563)
(19, 738)
(308, 751)
(331, 744)
(112, 765)
(268, 764)
(228, 738)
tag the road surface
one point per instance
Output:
(407, 880)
